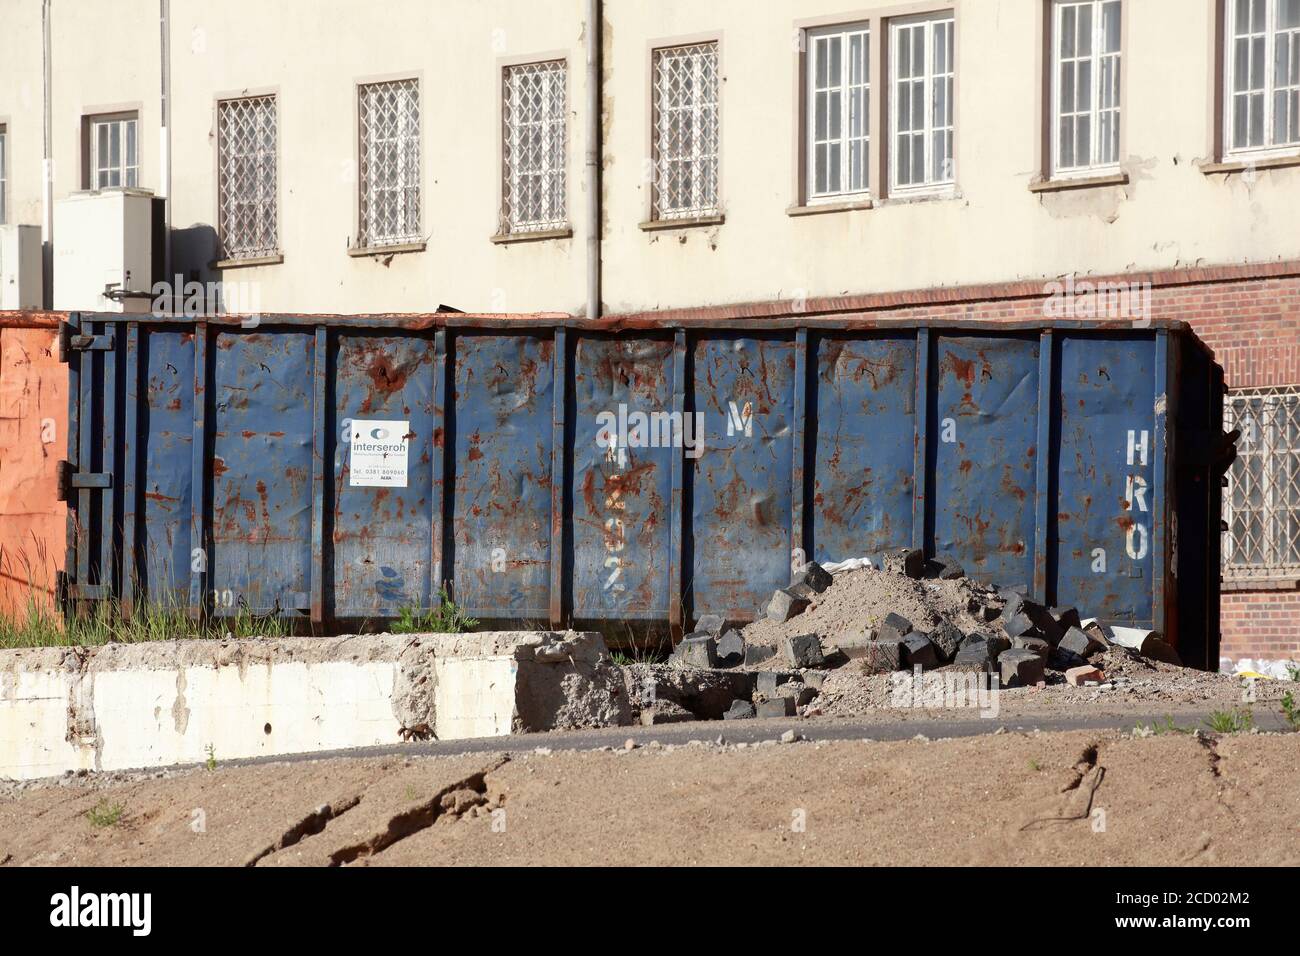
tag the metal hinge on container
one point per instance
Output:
(70, 340)
(67, 479)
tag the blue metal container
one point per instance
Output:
(555, 470)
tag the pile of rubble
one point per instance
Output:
(912, 613)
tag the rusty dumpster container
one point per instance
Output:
(550, 469)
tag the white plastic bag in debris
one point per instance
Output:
(849, 564)
(1278, 670)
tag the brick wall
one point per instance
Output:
(1261, 624)
(1248, 314)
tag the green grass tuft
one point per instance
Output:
(447, 618)
(105, 814)
(1230, 721)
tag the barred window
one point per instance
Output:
(113, 147)
(921, 102)
(1262, 84)
(246, 183)
(534, 147)
(838, 94)
(685, 108)
(389, 179)
(1085, 85)
(1261, 505)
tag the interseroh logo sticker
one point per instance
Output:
(379, 453)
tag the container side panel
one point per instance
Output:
(262, 461)
(625, 438)
(865, 429)
(503, 432)
(742, 481)
(33, 432)
(166, 425)
(1106, 466)
(984, 447)
(382, 535)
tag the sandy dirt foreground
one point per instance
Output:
(1015, 798)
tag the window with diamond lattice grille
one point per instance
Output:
(534, 147)
(389, 174)
(685, 111)
(246, 177)
(1261, 504)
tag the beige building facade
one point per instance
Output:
(902, 158)
(1168, 193)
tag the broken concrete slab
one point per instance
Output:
(947, 639)
(665, 712)
(976, 654)
(712, 624)
(803, 650)
(758, 653)
(1036, 644)
(1099, 632)
(785, 604)
(881, 657)
(814, 679)
(705, 693)
(739, 710)
(909, 562)
(1079, 643)
(767, 682)
(126, 706)
(1020, 667)
(811, 579)
(697, 650)
(1065, 617)
(776, 707)
(918, 650)
(731, 649)
(894, 629)
(944, 567)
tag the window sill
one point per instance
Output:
(817, 209)
(273, 260)
(1080, 182)
(1260, 584)
(502, 238)
(686, 222)
(944, 194)
(376, 251)
(1243, 165)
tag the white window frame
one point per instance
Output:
(102, 125)
(817, 39)
(266, 207)
(1272, 31)
(699, 204)
(931, 184)
(368, 196)
(1096, 163)
(4, 173)
(520, 179)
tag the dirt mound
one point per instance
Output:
(858, 602)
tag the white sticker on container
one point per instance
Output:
(379, 453)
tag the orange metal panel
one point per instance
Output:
(33, 424)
